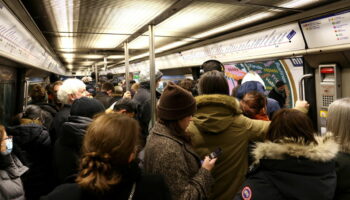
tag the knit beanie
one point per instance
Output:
(175, 103)
(86, 107)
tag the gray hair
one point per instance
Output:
(69, 86)
(338, 122)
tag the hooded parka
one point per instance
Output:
(292, 170)
(219, 122)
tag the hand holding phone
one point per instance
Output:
(215, 153)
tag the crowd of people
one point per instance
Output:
(82, 139)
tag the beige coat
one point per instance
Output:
(219, 122)
(178, 163)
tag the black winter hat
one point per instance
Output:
(279, 84)
(175, 103)
(86, 107)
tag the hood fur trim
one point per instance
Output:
(324, 151)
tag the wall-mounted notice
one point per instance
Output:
(285, 38)
(327, 30)
(18, 44)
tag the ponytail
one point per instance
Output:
(96, 172)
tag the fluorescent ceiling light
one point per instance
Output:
(70, 66)
(297, 3)
(107, 41)
(115, 57)
(63, 14)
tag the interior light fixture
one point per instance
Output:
(297, 3)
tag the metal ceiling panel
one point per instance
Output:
(197, 17)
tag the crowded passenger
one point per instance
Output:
(143, 98)
(293, 162)
(55, 102)
(169, 152)
(39, 98)
(253, 106)
(68, 145)
(189, 85)
(70, 90)
(105, 95)
(253, 82)
(126, 106)
(11, 169)
(211, 65)
(338, 123)
(33, 140)
(108, 169)
(219, 122)
(278, 93)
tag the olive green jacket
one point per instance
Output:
(219, 122)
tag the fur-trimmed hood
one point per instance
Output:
(324, 151)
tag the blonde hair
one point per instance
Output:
(338, 122)
(107, 146)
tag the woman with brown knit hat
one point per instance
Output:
(169, 152)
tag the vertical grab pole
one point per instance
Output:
(152, 73)
(126, 52)
(301, 86)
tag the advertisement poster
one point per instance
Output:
(270, 72)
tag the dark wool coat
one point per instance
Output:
(60, 118)
(68, 146)
(291, 170)
(143, 99)
(104, 99)
(178, 163)
(11, 187)
(278, 97)
(34, 143)
(342, 191)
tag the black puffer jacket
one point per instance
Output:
(292, 171)
(147, 187)
(35, 145)
(343, 176)
(67, 147)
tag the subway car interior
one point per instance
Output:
(304, 43)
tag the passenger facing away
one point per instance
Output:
(253, 82)
(253, 106)
(219, 122)
(338, 123)
(278, 93)
(107, 167)
(125, 106)
(11, 170)
(211, 65)
(70, 90)
(68, 145)
(168, 151)
(35, 146)
(143, 99)
(105, 95)
(293, 162)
